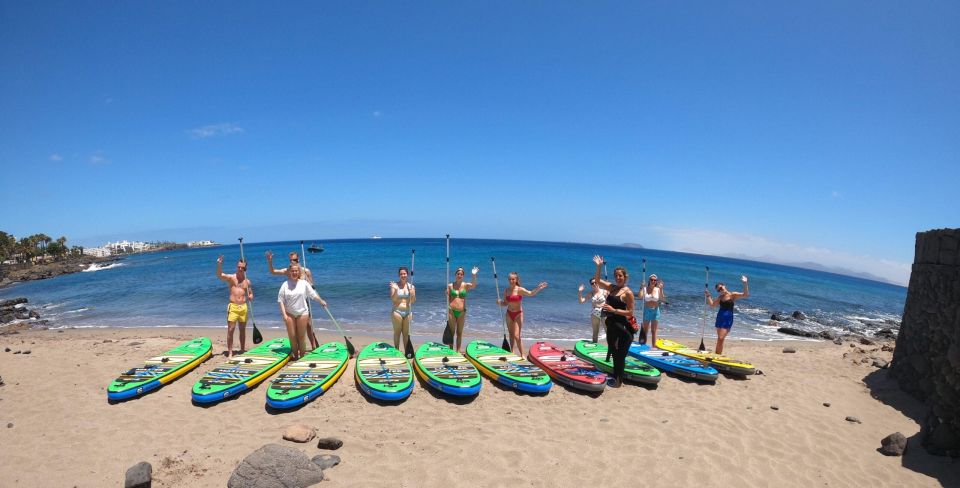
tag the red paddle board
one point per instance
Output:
(567, 368)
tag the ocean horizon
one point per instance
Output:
(179, 288)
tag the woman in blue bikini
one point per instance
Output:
(403, 295)
(725, 300)
(457, 302)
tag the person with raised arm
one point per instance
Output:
(403, 295)
(512, 297)
(305, 274)
(725, 300)
(651, 294)
(457, 302)
(292, 298)
(597, 299)
(240, 291)
(618, 311)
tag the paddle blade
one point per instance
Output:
(257, 338)
(352, 351)
(448, 335)
(408, 348)
(506, 344)
(702, 347)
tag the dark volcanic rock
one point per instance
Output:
(796, 332)
(277, 466)
(852, 419)
(789, 350)
(12, 302)
(779, 317)
(139, 475)
(893, 444)
(867, 342)
(331, 443)
(799, 315)
(885, 334)
(829, 335)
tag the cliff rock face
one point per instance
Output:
(926, 361)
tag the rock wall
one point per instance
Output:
(926, 361)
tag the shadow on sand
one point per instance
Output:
(944, 469)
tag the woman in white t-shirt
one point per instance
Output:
(293, 308)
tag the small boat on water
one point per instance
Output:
(375, 237)
(315, 248)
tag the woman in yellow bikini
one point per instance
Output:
(403, 295)
(457, 302)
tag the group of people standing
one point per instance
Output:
(613, 305)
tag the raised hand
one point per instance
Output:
(269, 255)
(580, 288)
(220, 259)
(542, 285)
(743, 278)
(475, 270)
(598, 260)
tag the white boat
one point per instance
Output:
(375, 237)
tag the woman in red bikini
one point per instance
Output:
(513, 296)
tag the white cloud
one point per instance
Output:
(214, 130)
(707, 241)
(56, 157)
(98, 159)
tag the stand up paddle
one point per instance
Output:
(447, 331)
(607, 279)
(503, 320)
(703, 326)
(350, 349)
(257, 338)
(643, 291)
(408, 346)
(314, 343)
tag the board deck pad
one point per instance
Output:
(635, 371)
(719, 362)
(672, 362)
(383, 372)
(160, 370)
(567, 368)
(508, 368)
(308, 377)
(446, 370)
(242, 372)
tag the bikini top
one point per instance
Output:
(651, 297)
(726, 304)
(514, 298)
(458, 293)
(403, 292)
(599, 299)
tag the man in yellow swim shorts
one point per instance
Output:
(240, 291)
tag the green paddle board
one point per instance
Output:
(309, 377)
(446, 370)
(635, 370)
(242, 372)
(160, 370)
(507, 368)
(383, 372)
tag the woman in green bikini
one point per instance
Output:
(457, 302)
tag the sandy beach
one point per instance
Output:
(58, 430)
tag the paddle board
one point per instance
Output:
(721, 363)
(446, 370)
(634, 370)
(242, 372)
(672, 362)
(160, 370)
(508, 368)
(565, 367)
(383, 372)
(308, 377)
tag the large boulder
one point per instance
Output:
(275, 466)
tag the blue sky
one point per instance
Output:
(818, 131)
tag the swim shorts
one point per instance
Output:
(724, 319)
(237, 313)
(651, 314)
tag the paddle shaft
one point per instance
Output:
(703, 326)
(303, 256)
(257, 337)
(503, 318)
(409, 344)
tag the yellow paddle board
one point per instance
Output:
(724, 364)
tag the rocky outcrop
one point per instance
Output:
(926, 360)
(16, 309)
(274, 465)
(12, 273)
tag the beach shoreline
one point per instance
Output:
(54, 407)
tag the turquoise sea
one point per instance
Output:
(180, 288)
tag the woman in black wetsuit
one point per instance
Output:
(618, 310)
